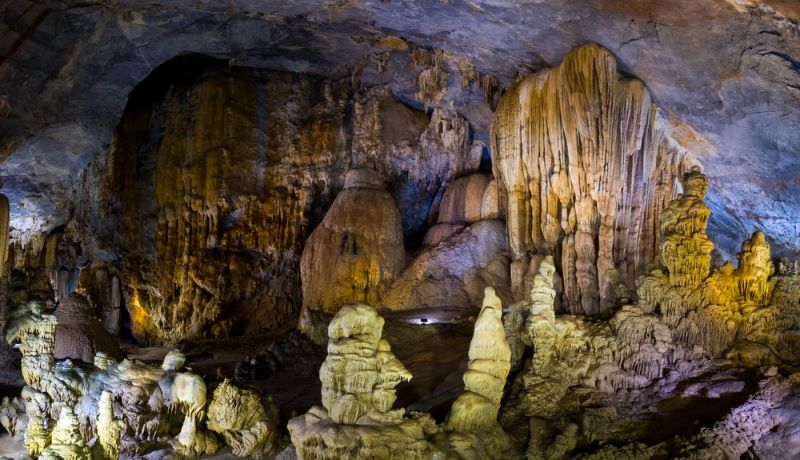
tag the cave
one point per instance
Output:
(385, 229)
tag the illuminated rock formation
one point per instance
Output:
(108, 428)
(66, 441)
(684, 248)
(247, 421)
(472, 429)
(580, 156)
(361, 242)
(358, 380)
(209, 192)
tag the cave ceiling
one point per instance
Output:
(726, 73)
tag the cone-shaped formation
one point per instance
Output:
(79, 334)
(4, 222)
(361, 241)
(489, 364)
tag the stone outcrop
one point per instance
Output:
(79, 334)
(357, 250)
(585, 171)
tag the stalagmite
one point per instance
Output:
(361, 240)
(489, 363)
(108, 428)
(684, 247)
(358, 378)
(4, 222)
(67, 442)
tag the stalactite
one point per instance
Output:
(580, 154)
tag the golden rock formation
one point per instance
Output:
(247, 421)
(585, 171)
(209, 195)
(357, 250)
(684, 248)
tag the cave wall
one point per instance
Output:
(586, 168)
(206, 195)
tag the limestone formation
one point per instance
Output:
(684, 248)
(209, 192)
(4, 221)
(489, 364)
(108, 428)
(361, 242)
(66, 442)
(79, 334)
(585, 170)
(358, 377)
(247, 421)
(472, 428)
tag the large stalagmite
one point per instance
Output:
(586, 171)
(357, 250)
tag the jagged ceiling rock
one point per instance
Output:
(727, 72)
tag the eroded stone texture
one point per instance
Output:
(209, 191)
(586, 171)
(246, 420)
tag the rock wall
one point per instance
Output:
(209, 190)
(585, 171)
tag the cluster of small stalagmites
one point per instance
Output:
(684, 248)
(247, 422)
(358, 378)
(126, 407)
(582, 162)
(715, 308)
